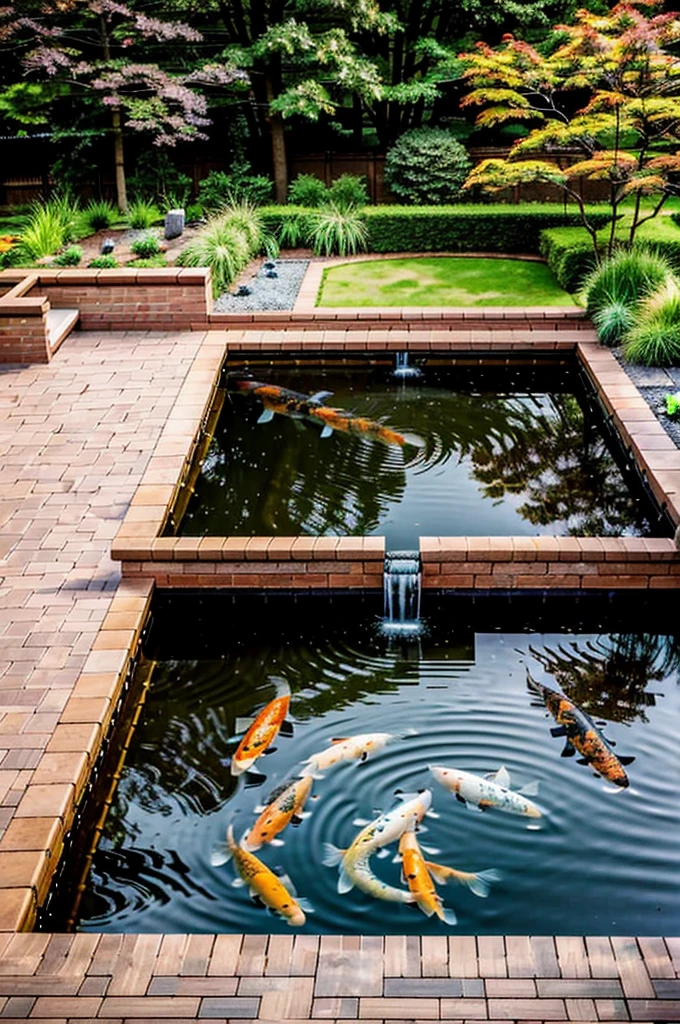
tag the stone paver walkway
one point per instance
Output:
(75, 438)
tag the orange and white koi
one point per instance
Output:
(492, 791)
(581, 734)
(416, 875)
(353, 863)
(285, 805)
(347, 748)
(262, 732)
(284, 402)
(274, 892)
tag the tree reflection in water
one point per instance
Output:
(281, 478)
(609, 678)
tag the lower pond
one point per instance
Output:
(457, 451)
(601, 859)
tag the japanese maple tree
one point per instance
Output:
(628, 129)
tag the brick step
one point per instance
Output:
(60, 323)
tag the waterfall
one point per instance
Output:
(402, 370)
(402, 593)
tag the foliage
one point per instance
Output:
(485, 228)
(220, 247)
(427, 165)
(149, 262)
(146, 246)
(48, 227)
(336, 231)
(219, 189)
(655, 338)
(246, 218)
(625, 277)
(568, 252)
(348, 191)
(9, 250)
(99, 214)
(108, 262)
(71, 257)
(156, 176)
(625, 64)
(307, 190)
(143, 214)
(194, 212)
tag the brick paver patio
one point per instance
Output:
(76, 437)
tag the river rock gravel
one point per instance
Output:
(267, 293)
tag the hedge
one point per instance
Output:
(569, 251)
(460, 228)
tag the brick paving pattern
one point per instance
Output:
(76, 438)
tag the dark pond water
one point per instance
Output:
(605, 861)
(504, 452)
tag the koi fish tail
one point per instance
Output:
(448, 916)
(282, 687)
(477, 882)
(532, 685)
(222, 852)
(332, 855)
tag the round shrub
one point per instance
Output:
(349, 190)
(71, 257)
(427, 165)
(146, 247)
(307, 190)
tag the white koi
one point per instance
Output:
(349, 748)
(492, 791)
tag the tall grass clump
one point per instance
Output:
(142, 214)
(654, 340)
(222, 247)
(245, 217)
(99, 214)
(48, 227)
(334, 231)
(613, 290)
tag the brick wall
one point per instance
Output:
(23, 323)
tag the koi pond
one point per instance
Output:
(457, 450)
(594, 856)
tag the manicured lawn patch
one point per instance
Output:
(441, 281)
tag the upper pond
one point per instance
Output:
(605, 860)
(483, 451)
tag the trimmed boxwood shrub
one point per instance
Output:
(569, 254)
(469, 228)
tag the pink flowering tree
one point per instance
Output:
(88, 47)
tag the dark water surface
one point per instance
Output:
(605, 861)
(504, 452)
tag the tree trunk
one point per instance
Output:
(119, 160)
(279, 160)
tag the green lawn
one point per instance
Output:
(441, 281)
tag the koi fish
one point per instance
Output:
(264, 886)
(285, 806)
(492, 791)
(348, 748)
(353, 863)
(581, 734)
(416, 875)
(281, 400)
(259, 736)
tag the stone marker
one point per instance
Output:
(174, 223)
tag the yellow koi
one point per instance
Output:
(285, 806)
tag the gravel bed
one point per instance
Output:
(267, 292)
(654, 383)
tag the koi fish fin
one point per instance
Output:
(531, 789)
(558, 730)
(431, 850)
(287, 881)
(404, 797)
(238, 883)
(339, 739)
(319, 396)
(270, 750)
(276, 842)
(326, 432)
(626, 760)
(440, 874)
(266, 416)
(461, 799)
(361, 822)
(582, 760)
(286, 728)
(536, 704)
(501, 777)
(480, 882)
(220, 855)
(305, 905)
(382, 853)
(332, 855)
(449, 918)
(569, 749)
(297, 819)
(421, 829)
(254, 779)
(432, 814)
(257, 899)
(309, 770)
(415, 440)
(345, 883)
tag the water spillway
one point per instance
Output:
(402, 584)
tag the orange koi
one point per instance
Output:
(417, 877)
(261, 733)
(274, 892)
(285, 806)
(581, 734)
